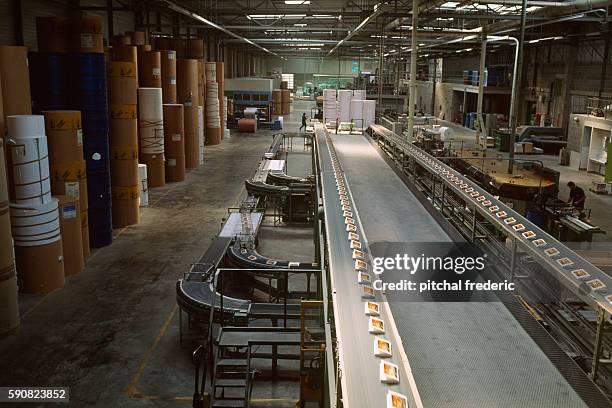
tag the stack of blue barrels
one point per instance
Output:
(89, 96)
(69, 72)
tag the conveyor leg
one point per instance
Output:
(601, 321)
(474, 226)
(513, 261)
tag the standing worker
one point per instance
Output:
(303, 121)
(576, 196)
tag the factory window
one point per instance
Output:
(289, 79)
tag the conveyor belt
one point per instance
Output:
(359, 368)
(460, 354)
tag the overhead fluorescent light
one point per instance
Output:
(300, 24)
(297, 2)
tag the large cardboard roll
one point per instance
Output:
(9, 304)
(85, 34)
(52, 34)
(124, 152)
(15, 81)
(221, 93)
(161, 43)
(174, 142)
(178, 45)
(70, 227)
(38, 247)
(156, 174)
(149, 70)
(213, 136)
(247, 125)
(121, 39)
(188, 96)
(187, 77)
(138, 37)
(194, 48)
(31, 182)
(64, 137)
(126, 205)
(168, 73)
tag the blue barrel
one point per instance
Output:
(88, 94)
(49, 79)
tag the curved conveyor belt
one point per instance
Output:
(195, 293)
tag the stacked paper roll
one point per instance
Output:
(162, 43)
(85, 34)
(369, 113)
(277, 96)
(168, 74)
(144, 187)
(178, 45)
(284, 85)
(151, 132)
(188, 96)
(15, 81)
(201, 139)
(194, 48)
(29, 157)
(174, 140)
(52, 34)
(211, 71)
(121, 39)
(72, 239)
(38, 246)
(138, 37)
(330, 108)
(344, 105)
(285, 101)
(224, 118)
(9, 306)
(220, 74)
(67, 164)
(213, 117)
(201, 82)
(359, 94)
(123, 100)
(357, 112)
(149, 70)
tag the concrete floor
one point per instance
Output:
(111, 334)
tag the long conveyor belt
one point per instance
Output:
(469, 354)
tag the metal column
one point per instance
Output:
(517, 80)
(413, 66)
(481, 130)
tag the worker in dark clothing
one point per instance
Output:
(303, 121)
(576, 196)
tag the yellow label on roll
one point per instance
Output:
(128, 152)
(126, 193)
(123, 111)
(121, 69)
(68, 171)
(63, 120)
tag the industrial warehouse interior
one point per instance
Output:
(306, 203)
